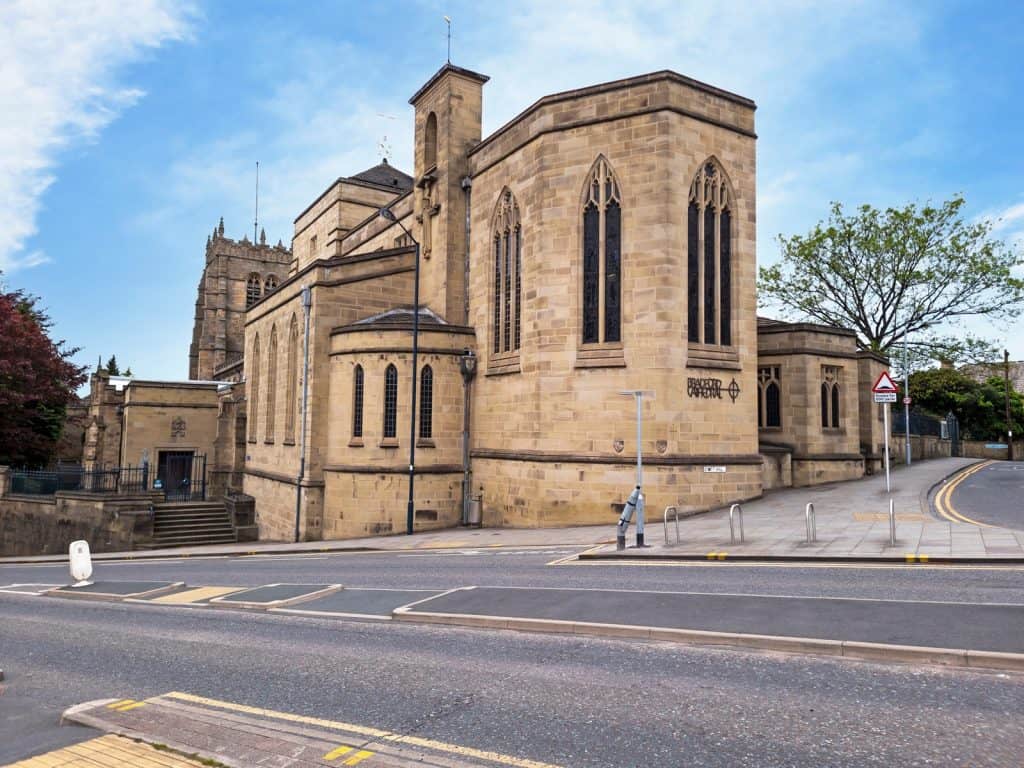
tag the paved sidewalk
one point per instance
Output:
(108, 752)
(449, 538)
(852, 522)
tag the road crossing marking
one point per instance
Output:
(126, 705)
(195, 595)
(344, 749)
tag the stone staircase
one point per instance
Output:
(186, 524)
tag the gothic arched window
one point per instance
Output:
(769, 397)
(269, 284)
(357, 401)
(830, 376)
(709, 257)
(602, 256)
(391, 402)
(427, 403)
(292, 383)
(253, 374)
(253, 290)
(508, 284)
(271, 384)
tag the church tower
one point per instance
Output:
(448, 123)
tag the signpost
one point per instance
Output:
(885, 391)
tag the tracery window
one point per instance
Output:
(291, 401)
(709, 257)
(427, 403)
(508, 284)
(271, 384)
(390, 402)
(769, 397)
(253, 290)
(602, 256)
(253, 374)
(830, 378)
(357, 401)
(269, 284)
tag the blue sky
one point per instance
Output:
(137, 125)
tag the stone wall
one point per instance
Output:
(34, 525)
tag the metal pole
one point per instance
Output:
(888, 485)
(307, 304)
(409, 513)
(639, 469)
(892, 524)
(1009, 424)
(906, 396)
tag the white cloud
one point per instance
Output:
(59, 87)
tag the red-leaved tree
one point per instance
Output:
(37, 381)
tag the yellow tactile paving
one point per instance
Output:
(195, 595)
(107, 752)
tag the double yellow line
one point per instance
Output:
(943, 499)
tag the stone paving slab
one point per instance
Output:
(852, 523)
(108, 751)
(982, 627)
(242, 736)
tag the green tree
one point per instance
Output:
(914, 271)
(37, 381)
(111, 366)
(979, 407)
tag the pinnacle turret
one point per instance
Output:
(263, 236)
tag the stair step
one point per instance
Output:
(194, 529)
(202, 539)
(191, 518)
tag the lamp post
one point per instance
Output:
(386, 214)
(1009, 424)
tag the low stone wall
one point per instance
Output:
(46, 525)
(922, 447)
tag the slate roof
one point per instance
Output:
(385, 175)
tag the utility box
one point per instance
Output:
(474, 511)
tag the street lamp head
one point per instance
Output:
(385, 213)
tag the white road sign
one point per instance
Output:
(885, 397)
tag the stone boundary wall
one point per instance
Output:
(46, 525)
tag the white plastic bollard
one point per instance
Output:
(81, 563)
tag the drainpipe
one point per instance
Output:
(467, 366)
(307, 303)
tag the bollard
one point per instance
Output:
(735, 508)
(809, 524)
(892, 525)
(627, 515)
(675, 517)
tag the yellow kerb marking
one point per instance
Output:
(116, 704)
(712, 555)
(358, 757)
(910, 557)
(195, 595)
(721, 555)
(376, 733)
(922, 558)
(334, 753)
(130, 707)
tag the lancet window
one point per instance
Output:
(709, 257)
(602, 256)
(769, 397)
(508, 285)
(390, 402)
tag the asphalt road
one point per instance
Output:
(445, 570)
(570, 701)
(993, 495)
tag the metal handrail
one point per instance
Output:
(675, 517)
(810, 524)
(738, 510)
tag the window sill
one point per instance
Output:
(712, 356)
(251, 441)
(834, 430)
(268, 441)
(355, 442)
(288, 441)
(388, 442)
(602, 355)
(502, 363)
(425, 442)
(770, 429)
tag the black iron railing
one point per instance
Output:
(46, 482)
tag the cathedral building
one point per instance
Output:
(601, 241)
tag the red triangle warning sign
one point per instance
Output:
(884, 383)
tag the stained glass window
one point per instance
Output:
(601, 319)
(508, 283)
(357, 401)
(709, 258)
(390, 402)
(427, 402)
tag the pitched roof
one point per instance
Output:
(385, 175)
